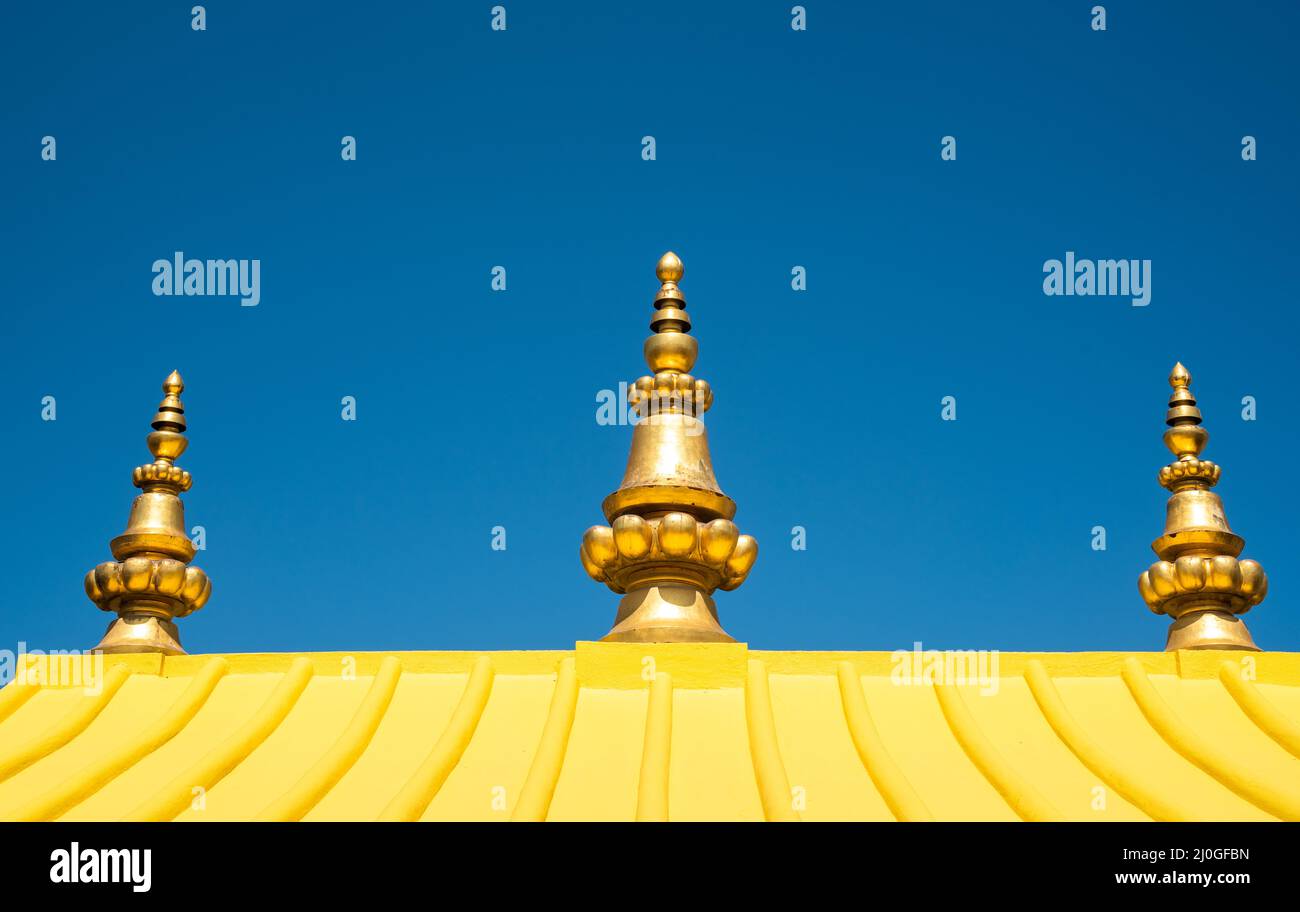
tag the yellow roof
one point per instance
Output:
(613, 731)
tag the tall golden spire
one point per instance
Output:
(1198, 581)
(671, 541)
(149, 585)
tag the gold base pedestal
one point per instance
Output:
(667, 614)
(1209, 630)
(141, 633)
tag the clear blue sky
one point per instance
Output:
(775, 148)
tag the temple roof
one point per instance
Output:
(623, 731)
(667, 717)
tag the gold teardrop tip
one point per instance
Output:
(1179, 377)
(173, 385)
(670, 268)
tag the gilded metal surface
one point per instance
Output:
(1198, 581)
(150, 584)
(671, 541)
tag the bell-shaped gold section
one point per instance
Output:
(150, 584)
(1198, 581)
(669, 466)
(671, 541)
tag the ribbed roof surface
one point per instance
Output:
(683, 732)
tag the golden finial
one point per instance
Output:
(1182, 404)
(149, 585)
(671, 541)
(1198, 581)
(170, 411)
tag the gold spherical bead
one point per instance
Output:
(743, 557)
(677, 534)
(632, 536)
(1190, 573)
(1186, 440)
(671, 352)
(107, 579)
(136, 574)
(1253, 581)
(718, 540)
(197, 587)
(1162, 579)
(599, 544)
(594, 570)
(1148, 594)
(169, 577)
(1225, 573)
